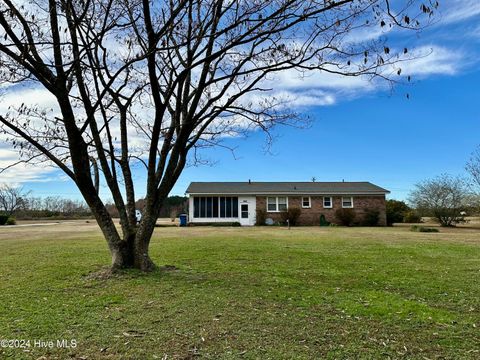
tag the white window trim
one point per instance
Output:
(276, 203)
(351, 201)
(309, 202)
(331, 202)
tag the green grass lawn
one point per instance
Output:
(245, 293)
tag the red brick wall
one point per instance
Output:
(311, 216)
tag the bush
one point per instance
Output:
(291, 214)
(345, 217)
(323, 221)
(371, 217)
(412, 217)
(395, 211)
(444, 197)
(261, 217)
(11, 221)
(417, 228)
(3, 219)
(429, 230)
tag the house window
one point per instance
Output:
(327, 202)
(215, 207)
(347, 202)
(276, 204)
(306, 202)
(272, 204)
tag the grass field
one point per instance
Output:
(245, 293)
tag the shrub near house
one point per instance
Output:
(241, 201)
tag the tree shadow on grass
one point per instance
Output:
(106, 273)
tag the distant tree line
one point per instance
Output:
(19, 204)
(172, 207)
(53, 207)
(16, 203)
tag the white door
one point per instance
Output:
(246, 210)
(244, 214)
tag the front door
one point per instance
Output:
(246, 210)
(244, 214)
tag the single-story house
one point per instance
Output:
(238, 201)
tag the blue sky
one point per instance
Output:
(364, 134)
(382, 138)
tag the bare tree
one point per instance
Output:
(37, 207)
(11, 199)
(444, 197)
(149, 83)
(473, 166)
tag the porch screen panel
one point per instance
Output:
(235, 207)
(203, 207)
(196, 207)
(222, 207)
(209, 207)
(215, 207)
(228, 200)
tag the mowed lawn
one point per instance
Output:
(245, 293)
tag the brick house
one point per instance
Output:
(238, 201)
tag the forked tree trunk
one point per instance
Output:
(132, 251)
(122, 254)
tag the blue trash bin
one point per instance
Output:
(183, 219)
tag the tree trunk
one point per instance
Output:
(143, 235)
(131, 249)
(122, 255)
(141, 259)
(131, 253)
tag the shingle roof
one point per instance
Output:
(285, 188)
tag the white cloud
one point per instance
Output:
(458, 10)
(292, 79)
(21, 172)
(324, 88)
(433, 60)
(311, 98)
(294, 98)
(16, 96)
(475, 32)
(368, 33)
